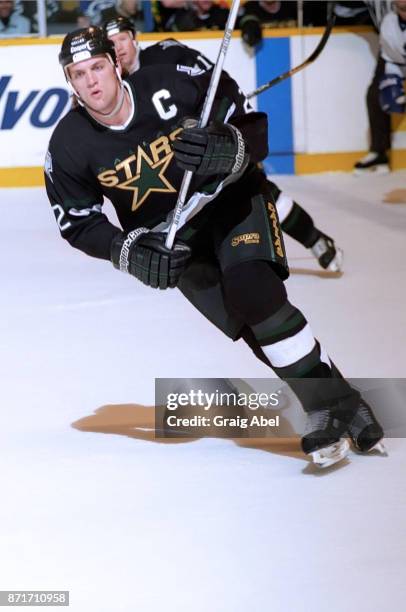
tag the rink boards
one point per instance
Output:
(317, 120)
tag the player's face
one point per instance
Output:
(95, 81)
(125, 49)
(204, 5)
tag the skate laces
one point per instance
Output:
(366, 413)
(317, 420)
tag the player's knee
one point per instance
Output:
(253, 291)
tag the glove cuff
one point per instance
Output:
(122, 245)
(242, 156)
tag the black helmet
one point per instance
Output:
(118, 24)
(85, 43)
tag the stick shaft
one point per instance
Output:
(207, 106)
(314, 55)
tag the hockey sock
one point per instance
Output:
(310, 374)
(285, 342)
(300, 226)
(279, 334)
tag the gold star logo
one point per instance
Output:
(149, 177)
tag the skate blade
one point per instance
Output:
(336, 264)
(379, 448)
(324, 457)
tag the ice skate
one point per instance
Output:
(324, 438)
(377, 163)
(329, 256)
(329, 455)
(365, 432)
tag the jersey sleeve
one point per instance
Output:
(392, 43)
(232, 106)
(171, 51)
(77, 201)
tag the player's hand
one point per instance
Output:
(144, 255)
(218, 148)
(392, 94)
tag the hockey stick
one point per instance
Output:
(322, 43)
(208, 103)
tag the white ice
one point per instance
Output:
(126, 524)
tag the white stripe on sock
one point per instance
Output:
(290, 350)
(284, 205)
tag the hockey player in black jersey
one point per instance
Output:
(126, 141)
(296, 222)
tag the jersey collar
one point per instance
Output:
(124, 126)
(131, 116)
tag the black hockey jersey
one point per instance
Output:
(171, 51)
(134, 166)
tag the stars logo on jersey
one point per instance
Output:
(149, 177)
(142, 172)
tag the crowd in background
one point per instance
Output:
(20, 16)
(385, 95)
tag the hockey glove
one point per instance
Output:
(143, 254)
(218, 148)
(392, 94)
(251, 30)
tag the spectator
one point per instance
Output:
(377, 159)
(393, 44)
(265, 14)
(314, 13)
(82, 21)
(100, 11)
(352, 13)
(96, 7)
(164, 10)
(53, 10)
(10, 22)
(197, 15)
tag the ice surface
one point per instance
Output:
(129, 524)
